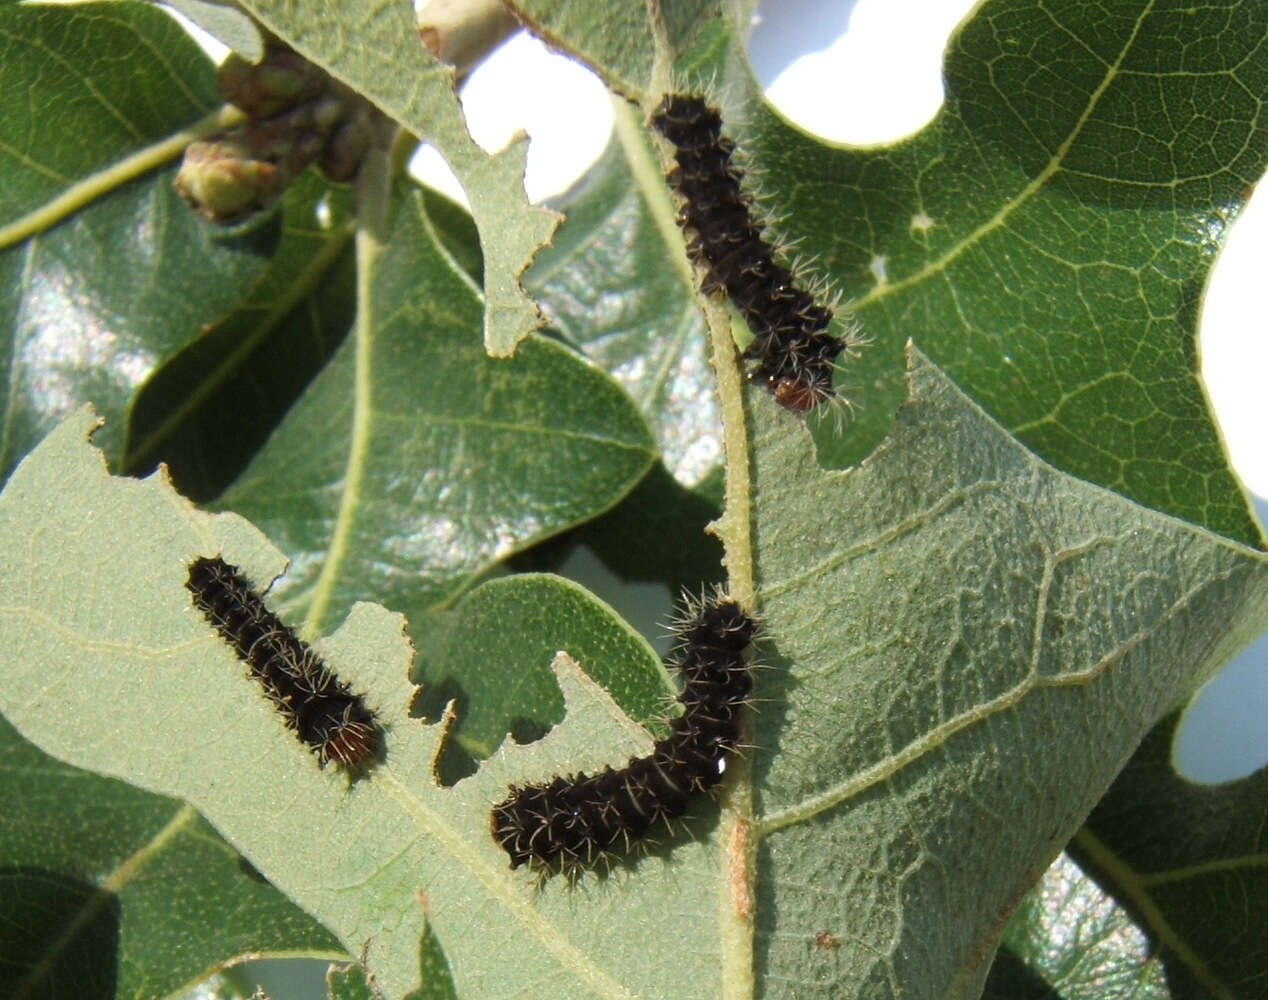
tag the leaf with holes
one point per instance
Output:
(389, 65)
(414, 461)
(987, 652)
(1045, 239)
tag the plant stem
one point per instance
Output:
(108, 179)
(373, 197)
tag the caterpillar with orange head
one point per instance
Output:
(792, 355)
(322, 711)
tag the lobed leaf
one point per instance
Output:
(1045, 239)
(873, 831)
(967, 647)
(414, 462)
(159, 701)
(383, 58)
(943, 618)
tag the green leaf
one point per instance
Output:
(1190, 863)
(71, 56)
(226, 23)
(966, 643)
(942, 619)
(388, 65)
(183, 719)
(208, 410)
(619, 41)
(606, 285)
(1045, 239)
(907, 765)
(1069, 933)
(517, 624)
(104, 884)
(104, 272)
(159, 700)
(414, 462)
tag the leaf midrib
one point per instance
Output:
(883, 770)
(504, 890)
(102, 182)
(295, 291)
(1129, 883)
(105, 892)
